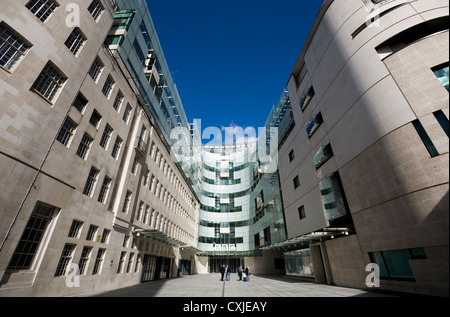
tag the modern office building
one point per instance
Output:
(90, 197)
(364, 168)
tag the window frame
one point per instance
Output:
(19, 52)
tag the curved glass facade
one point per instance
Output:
(241, 208)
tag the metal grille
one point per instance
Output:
(91, 233)
(66, 132)
(108, 86)
(31, 238)
(85, 145)
(75, 41)
(96, 69)
(49, 82)
(118, 100)
(106, 136)
(92, 179)
(75, 229)
(116, 148)
(65, 259)
(95, 9)
(12, 49)
(104, 190)
(98, 261)
(42, 9)
(85, 254)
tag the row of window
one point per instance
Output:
(42, 9)
(13, 47)
(163, 164)
(67, 256)
(156, 220)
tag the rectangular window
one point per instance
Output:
(104, 190)
(121, 262)
(84, 259)
(127, 113)
(75, 229)
(291, 156)
(116, 148)
(105, 236)
(301, 212)
(75, 41)
(98, 261)
(80, 103)
(95, 118)
(442, 119)
(65, 259)
(425, 138)
(104, 141)
(96, 69)
(307, 95)
(323, 155)
(441, 73)
(31, 238)
(130, 262)
(313, 124)
(108, 86)
(140, 209)
(333, 197)
(84, 146)
(126, 203)
(394, 264)
(135, 165)
(91, 232)
(90, 182)
(95, 9)
(42, 9)
(12, 48)
(49, 82)
(118, 101)
(296, 182)
(66, 131)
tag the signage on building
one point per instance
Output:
(225, 247)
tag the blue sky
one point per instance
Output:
(231, 59)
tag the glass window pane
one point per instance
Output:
(377, 257)
(398, 264)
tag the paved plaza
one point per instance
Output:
(209, 285)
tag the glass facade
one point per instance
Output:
(241, 208)
(299, 263)
(134, 39)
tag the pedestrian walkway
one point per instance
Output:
(209, 285)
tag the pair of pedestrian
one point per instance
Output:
(225, 271)
(244, 273)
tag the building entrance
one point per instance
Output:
(233, 264)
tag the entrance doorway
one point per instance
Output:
(155, 268)
(233, 264)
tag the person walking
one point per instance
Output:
(240, 270)
(222, 272)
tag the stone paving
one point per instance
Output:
(209, 285)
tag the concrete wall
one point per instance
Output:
(395, 191)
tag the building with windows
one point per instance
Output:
(364, 167)
(90, 197)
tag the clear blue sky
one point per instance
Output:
(232, 59)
